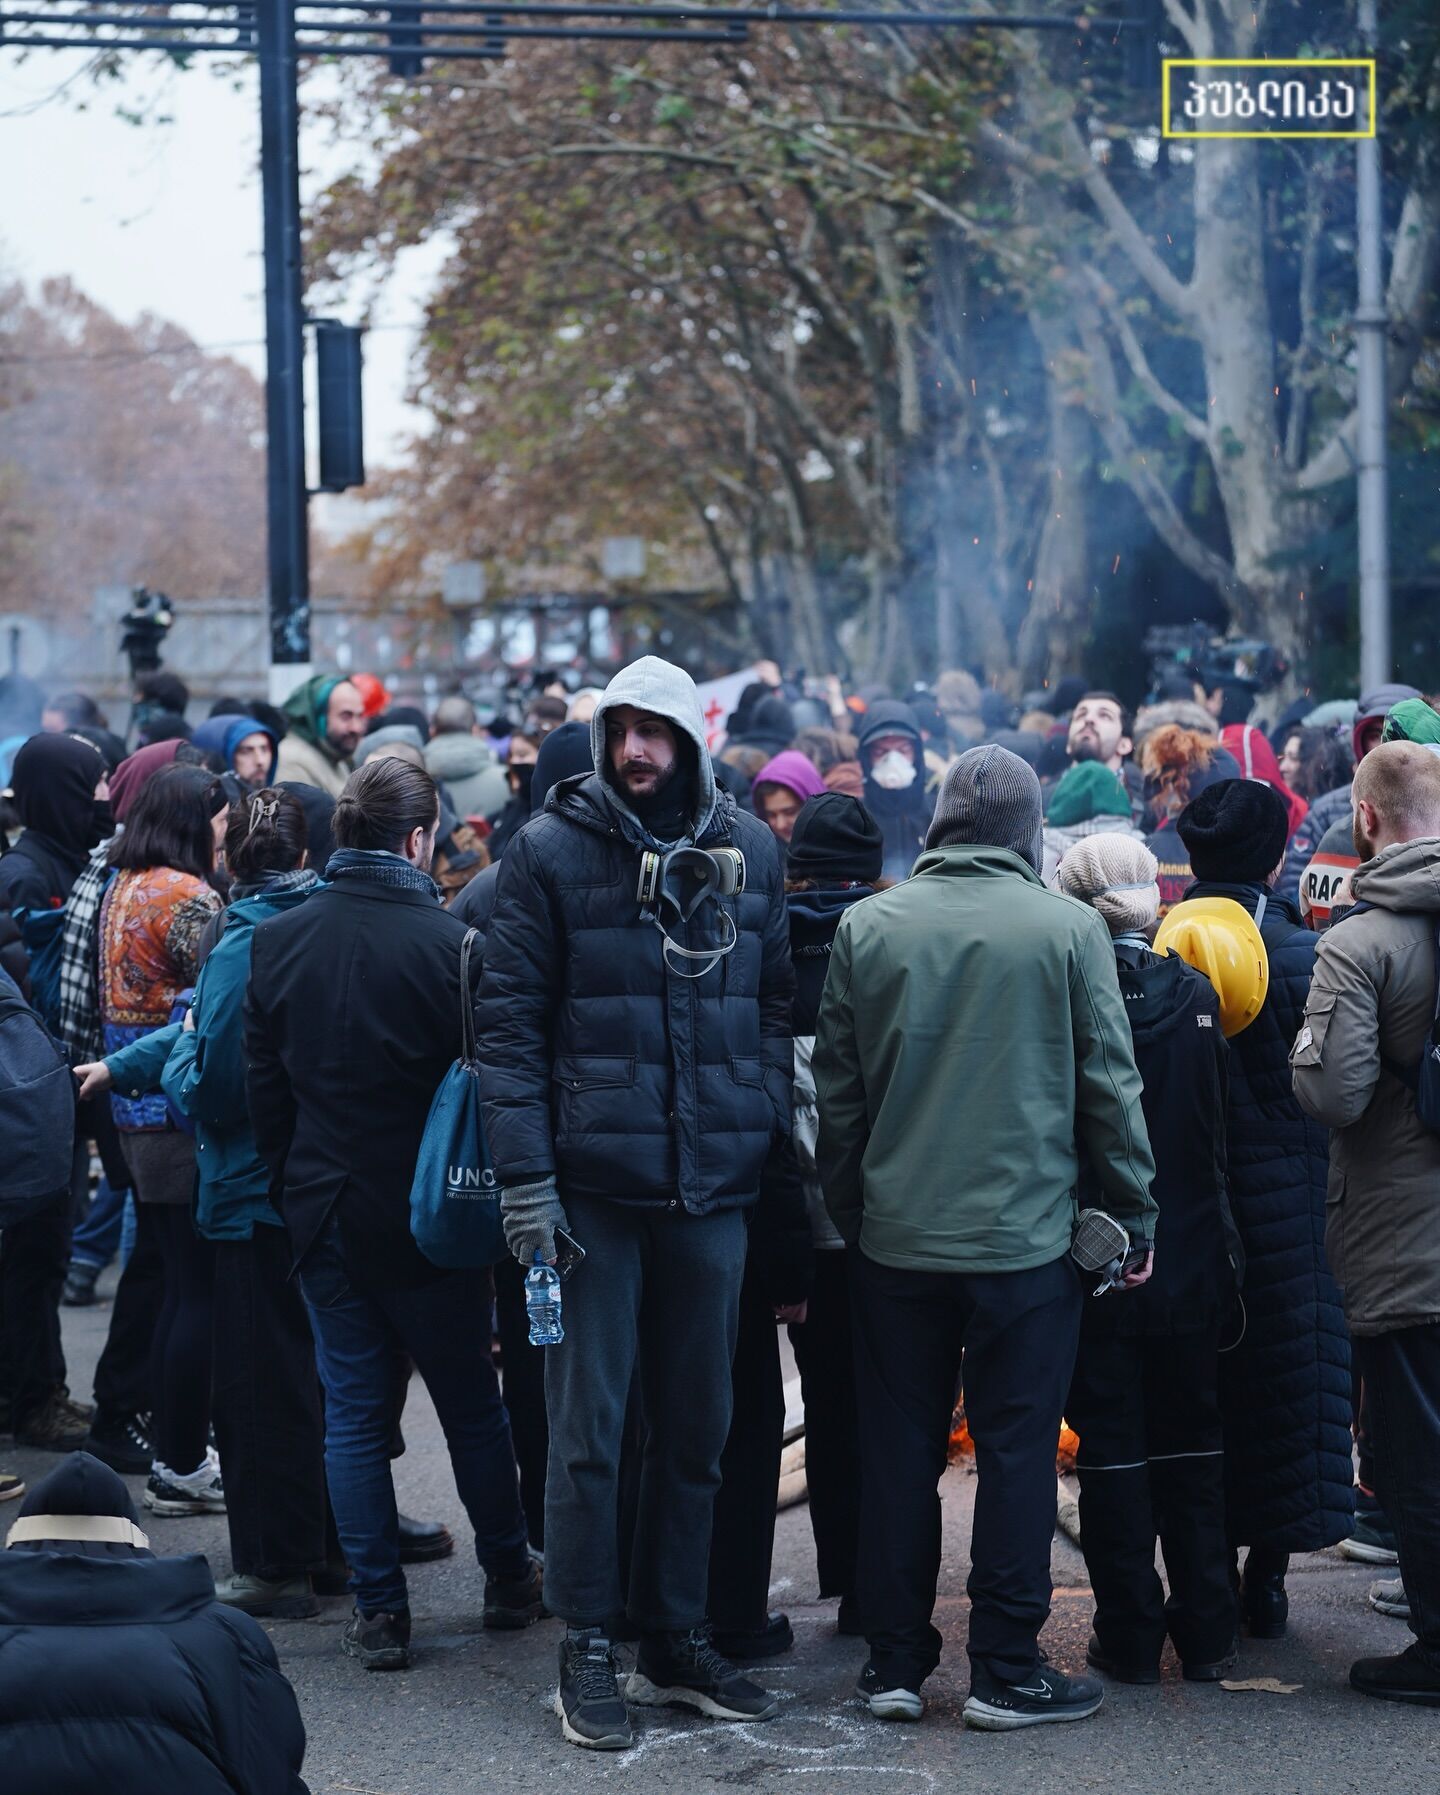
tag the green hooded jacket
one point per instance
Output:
(971, 1029)
(1412, 720)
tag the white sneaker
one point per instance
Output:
(198, 1492)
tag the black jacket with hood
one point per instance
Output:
(601, 1064)
(120, 1672)
(904, 816)
(55, 778)
(1181, 1054)
(1285, 1385)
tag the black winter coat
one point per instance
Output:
(1180, 1050)
(624, 1079)
(125, 1675)
(352, 1018)
(1285, 1387)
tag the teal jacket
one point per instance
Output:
(202, 1072)
(972, 1029)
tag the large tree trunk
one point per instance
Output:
(1052, 637)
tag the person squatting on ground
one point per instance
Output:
(1368, 1022)
(637, 1066)
(918, 1048)
(349, 1028)
(1145, 1396)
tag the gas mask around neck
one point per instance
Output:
(673, 888)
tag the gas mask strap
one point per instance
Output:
(711, 955)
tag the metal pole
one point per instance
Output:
(285, 482)
(1372, 401)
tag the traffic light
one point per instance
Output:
(405, 38)
(342, 437)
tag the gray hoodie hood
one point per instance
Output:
(1404, 876)
(457, 756)
(667, 691)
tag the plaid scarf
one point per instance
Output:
(79, 1019)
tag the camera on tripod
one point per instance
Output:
(143, 628)
(1209, 660)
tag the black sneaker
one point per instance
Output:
(1407, 1677)
(1120, 1670)
(1045, 1697)
(122, 1443)
(1372, 1539)
(887, 1699)
(80, 1281)
(1210, 1670)
(422, 1541)
(515, 1601)
(743, 1646)
(379, 1641)
(684, 1670)
(588, 1701)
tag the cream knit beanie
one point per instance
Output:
(1116, 875)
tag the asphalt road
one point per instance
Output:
(473, 1713)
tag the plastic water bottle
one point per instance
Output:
(542, 1304)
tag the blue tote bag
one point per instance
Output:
(455, 1199)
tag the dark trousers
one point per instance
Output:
(444, 1326)
(1151, 1465)
(522, 1384)
(33, 1257)
(268, 1419)
(122, 1377)
(1402, 1391)
(1018, 1333)
(825, 1356)
(659, 1290)
(743, 1538)
(182, 1347)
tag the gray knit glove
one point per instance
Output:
(531, 1214)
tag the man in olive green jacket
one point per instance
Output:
(1367, 1021)
(972, 1026)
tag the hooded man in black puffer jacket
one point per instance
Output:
(636, 1069)
(1285, 1383)
(119, 1670)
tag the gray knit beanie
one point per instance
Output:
(990, 798)
(1116, 875)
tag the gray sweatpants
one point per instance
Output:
(659, 1289)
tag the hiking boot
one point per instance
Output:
(888, 1700)
(1119, 1670)
(83, 1412)
(80, 1280)
(1046, 1696)
(421, 1541)
(197, 1493)
(378, 1641)
(1388, 1597)
(121, 1442)
(1372, 1539)
(592, 1713)
(54, 1428)
(279, 1598)
(1264, 1605)
(1407, 1677)
(515, 1602)
(684, 1670)
(775, 1636)
(11, 1487)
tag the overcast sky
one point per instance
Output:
(166, 217)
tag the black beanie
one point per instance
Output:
(1235, 831)
(835, 837)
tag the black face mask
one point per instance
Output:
(102, 820)
(521, 779)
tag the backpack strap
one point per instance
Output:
(469, 1047)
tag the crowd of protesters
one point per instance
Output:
(834, 1024)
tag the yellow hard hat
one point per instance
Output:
(1218, 937)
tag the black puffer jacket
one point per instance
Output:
(904, 816)
(625, 1080)
(1285, 1388)
(126, 1675)
(1174, 1018)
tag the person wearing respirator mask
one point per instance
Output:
(891, 754)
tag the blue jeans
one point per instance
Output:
(96, 1238)
(443, 1328)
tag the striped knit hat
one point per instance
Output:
(990, 798)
